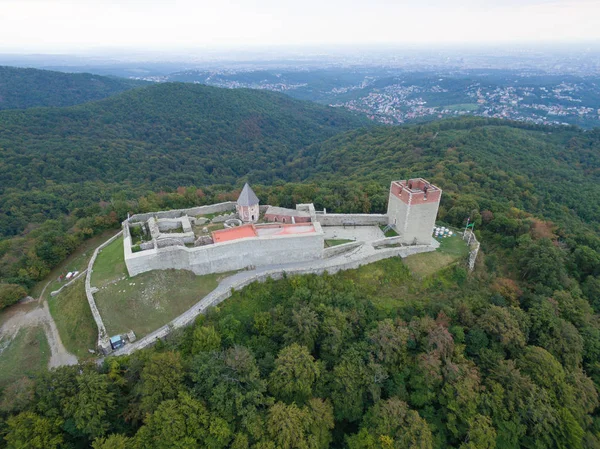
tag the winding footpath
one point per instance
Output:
(23, 316)
(360, 255)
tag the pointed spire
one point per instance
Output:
(247, 197)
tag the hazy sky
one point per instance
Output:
(68, 25)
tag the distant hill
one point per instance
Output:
(26, 88)
(550, 171)
(162, 136)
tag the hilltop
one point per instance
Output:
(22, 88)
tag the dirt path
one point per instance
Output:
(23, 316)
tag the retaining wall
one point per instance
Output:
(56, 292)
(102, 335)
(339, 249)
(387, 242)
(227, 256)
(473, 247)
(224, 290)
(355, 219)
(192, 211)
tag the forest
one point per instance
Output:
(22, 88)
(376, 358)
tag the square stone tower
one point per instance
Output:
(412, 209)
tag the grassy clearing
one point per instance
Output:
(109, 265)
(389, 233)
(451, 250)
(75, 262)
(147, 301)
(27, 354)
(150, 300)
(336, 242)
(74, 320)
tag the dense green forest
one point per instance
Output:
(22, 88)
(163, 136)
(506, 357)
(375, 358)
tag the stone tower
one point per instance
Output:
(247, 205)
(412, 209)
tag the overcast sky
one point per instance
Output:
(75, 25)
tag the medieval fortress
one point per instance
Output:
(241, 235)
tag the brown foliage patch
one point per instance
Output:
(542, 229)
(509, 289)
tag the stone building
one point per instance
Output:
(247, 205)
(412, 209)
(284, 215)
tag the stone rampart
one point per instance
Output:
(469, 236)
(192, 212)
(388, 241)
(224, 290)
(227, 256)
(71, 282)
(351, 219)
(339, 249)
(103, 342)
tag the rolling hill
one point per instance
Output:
(159, 137)
(22, 88)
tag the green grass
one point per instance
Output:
(109, 265)
(147, 301)
(75, 262)
(389, 233)
(451, 250)
(336, 242)
(74, 319)
(150, 300)
(27, 354)
(454, 246)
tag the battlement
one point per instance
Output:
(415, 191)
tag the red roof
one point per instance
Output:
(240, 232)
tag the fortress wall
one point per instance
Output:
(339, 249)
(420, 223)
(168, 224)
(221, 294)
(387, 242)
(396, 212)
(102, 335)
(193, 211)
(412, 220)
(356, 219)
(228, 256)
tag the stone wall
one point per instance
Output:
(56, 292)
(339, 249)
(412, 221)
(224, 290)
(192, 212)
(353, 219)
(387, 242)
(227, 256)
(469, 236)
(103, 342)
